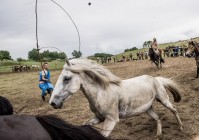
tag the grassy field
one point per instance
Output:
(6, 66)
(162, 46)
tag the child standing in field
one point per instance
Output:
(44, 81)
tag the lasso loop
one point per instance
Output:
(70, 19)
(37, 40)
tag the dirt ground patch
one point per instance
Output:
(23, 92)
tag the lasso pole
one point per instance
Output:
(37, 42)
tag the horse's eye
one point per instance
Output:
(66, 79)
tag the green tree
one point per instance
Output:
(45, 54)
(147, 44)
(76, 54)
(126, 50)
(53, 55)
(61, 55)
(19, 60)
(1, 56)
(33, 54)
(133, 48)
(102, 55)
(5, 55)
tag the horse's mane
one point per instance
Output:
(98, 73)
(5, 106)
(195, 46)
(61, 130)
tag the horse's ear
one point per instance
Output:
(67, 62)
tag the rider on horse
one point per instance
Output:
(44, 81)
(154, 45)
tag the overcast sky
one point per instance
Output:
(107, 26)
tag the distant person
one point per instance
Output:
(131, 56)
(154, 45)
(44, 81)
(114, 59)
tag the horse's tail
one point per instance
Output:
(171, 86)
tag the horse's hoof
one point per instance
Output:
(158, 137)
(181, 127)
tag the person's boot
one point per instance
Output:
(43, 97)
(49, 91)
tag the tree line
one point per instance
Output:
(48, 56)
(131, 49)
(5, 55)
(45, 55)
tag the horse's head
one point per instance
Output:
(191, 48)
(67, 84)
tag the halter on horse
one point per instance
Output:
(111, 98)
(194, 47)
(156, 58)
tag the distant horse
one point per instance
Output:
(16, 68)
(111, 98)
(194, 47)
(45, 127)
(156, 58)
(34, 67)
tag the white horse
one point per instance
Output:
(111, 98)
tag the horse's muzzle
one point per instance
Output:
(55, 106)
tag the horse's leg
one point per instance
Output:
(152, 62)
(197, 72)
(108, 126)
(160, 62)
(92, 121)
(154, 115)
(172, 108)
(156, 63)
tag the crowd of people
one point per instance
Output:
(174, 51)
(169, 51)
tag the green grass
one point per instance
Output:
(6, 66)
(162, 46)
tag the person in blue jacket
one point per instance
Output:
(44, 81)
